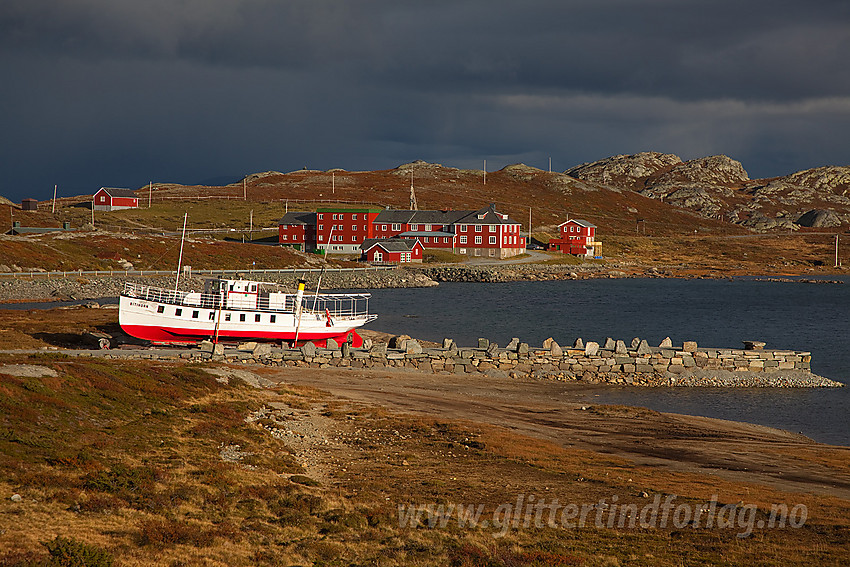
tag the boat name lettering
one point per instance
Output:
(139, 304)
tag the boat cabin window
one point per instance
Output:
(178, 312)
(160, 309)
(212, 314)
(272, 318)
(257, 318)
(254, 287)
(242, 317)
(227, 316)
(194, 314)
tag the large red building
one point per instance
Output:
(342, 231)
(577, 237)
(485, 232)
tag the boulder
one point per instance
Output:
(620, 348)
(689, 346)
(666, 343)
(591, 348)
(555, 349)
(308, 350)
(398, 341)
(579, 344)
(609, 344)
(819, 218)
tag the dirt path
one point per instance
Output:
(558, 412)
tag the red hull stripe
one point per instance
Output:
(178, 335)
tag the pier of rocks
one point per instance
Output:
(609, 362)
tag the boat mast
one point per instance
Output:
(180, 258)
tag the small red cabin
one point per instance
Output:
(112, 199)
(391, 250)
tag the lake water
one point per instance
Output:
(715, 313)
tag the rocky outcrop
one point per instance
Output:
(719, 187)
(625, 171)
(819, 218)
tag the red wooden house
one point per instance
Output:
(577, 237)
(298, 229)
(112, 199)
(392, 250)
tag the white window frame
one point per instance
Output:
(492, 240)
(478, 239)
(463, 239)
(478, 228)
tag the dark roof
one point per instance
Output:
(579, 222)
(391, 216)
(389, 244)
(115, 192)
(488, 215)
(447, 217)
(298, 217)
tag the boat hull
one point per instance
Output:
(162, 323)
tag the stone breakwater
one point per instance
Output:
(85, 287)
(611, 363)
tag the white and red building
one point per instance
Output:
(577, 237)
(112, 199)
(343, 231)
(392, 250)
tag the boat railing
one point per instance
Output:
(337, 306)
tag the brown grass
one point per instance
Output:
(124, 458)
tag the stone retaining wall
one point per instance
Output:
(614, 362)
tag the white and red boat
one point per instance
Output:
(237, 310)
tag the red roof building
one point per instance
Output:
(577, 237)
(485, 233)
(112, 199)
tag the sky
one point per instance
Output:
(119, 93)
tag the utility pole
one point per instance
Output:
(485, 172)
(244, 190)
(150, 193)
(251, 226)
(550, 164)
(529, 227)
(837, 262)
(333, 183)
(53, 211)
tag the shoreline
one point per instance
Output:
(75, 288)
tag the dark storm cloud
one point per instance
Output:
(106, 92)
